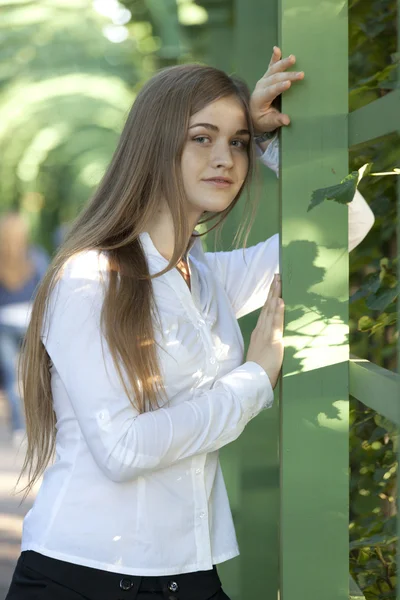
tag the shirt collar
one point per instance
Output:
(195, 245)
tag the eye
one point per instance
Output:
(240, 143)
(200, 139)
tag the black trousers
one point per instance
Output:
(38, 577)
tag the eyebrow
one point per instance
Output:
(215, 128)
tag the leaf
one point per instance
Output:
(343, 193)
(377, 434)
(386, 424)
(365, 323)
(374, 541)
(364, 170)
(382, 299)
(371, 285)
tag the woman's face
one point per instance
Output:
(214, 160)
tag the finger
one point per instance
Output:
(274, 292)
(282, 65)
(281, 119)
(278, 321)
(269, 320)
(279, 64)
(281, 77)
(268, 93)
(276, 55)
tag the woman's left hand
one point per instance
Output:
(273, 83)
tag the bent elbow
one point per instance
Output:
(121, 475)
(122, 468)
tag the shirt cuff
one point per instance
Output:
(270, 158)
(251, 384)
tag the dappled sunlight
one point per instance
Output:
(41, 145)
(334, 284)
(28, 101)
(309, 230)
(324, 9)
(316, 330)
(341, 422)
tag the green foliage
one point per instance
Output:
(373, 464)
(343, 192)
(373, 307)
(65, 90)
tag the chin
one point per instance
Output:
(216, 207)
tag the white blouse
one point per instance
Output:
(144, 494)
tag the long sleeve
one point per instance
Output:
(125, 444)
(361, 217)
(247, 274)
(361, 220)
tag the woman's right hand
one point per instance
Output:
(266, 341)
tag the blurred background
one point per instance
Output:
(69, 72)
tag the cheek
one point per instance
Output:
(191, 165)
(243, 167)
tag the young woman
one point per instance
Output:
(133, 363)
(22, 266)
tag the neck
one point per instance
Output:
(161, 231)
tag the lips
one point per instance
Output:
(219, 180)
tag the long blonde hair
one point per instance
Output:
(145, 167)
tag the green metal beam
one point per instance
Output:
(314, 453)
(374, 120)
(375, 387)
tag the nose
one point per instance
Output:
(222, 156)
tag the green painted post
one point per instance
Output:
(314, 560)
(218, 45)
(218, 33)
(241, 35)
(255, 35)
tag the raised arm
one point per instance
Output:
(123, 443)
(247, 275)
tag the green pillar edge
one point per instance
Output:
(314, 560)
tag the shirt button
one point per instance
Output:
(198, 471)
(126, 584)
(212, 361)
(173, 586)
(202, 515)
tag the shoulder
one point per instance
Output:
(77, 293)
(83, 275)
(89, 266)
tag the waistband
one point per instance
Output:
(97, 584)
